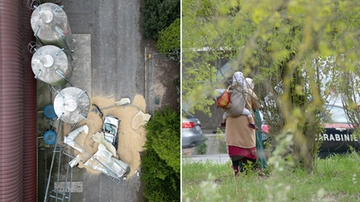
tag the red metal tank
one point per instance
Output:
(29, 111)
(11, 101)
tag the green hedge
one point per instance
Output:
(159, 14)
(169, 41)
(161, 159)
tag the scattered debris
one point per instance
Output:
(75, 161)
(99, 137)
(137, 173)
(104, 162)
(139, 119)
(130, 141)
(121, 102)
(70, 139)
(96, 109)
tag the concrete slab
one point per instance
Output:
(211, 158)
(76, 187)
(44, 96)
(107, 62)
(81, 76)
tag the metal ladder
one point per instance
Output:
(55, 193)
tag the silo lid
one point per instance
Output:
(72, 105)
(47, 61)
(45, 17)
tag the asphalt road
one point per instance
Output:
(117, 70)
(117, 57)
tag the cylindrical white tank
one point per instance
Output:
(50, 25)
(71, 105)
(51, 65)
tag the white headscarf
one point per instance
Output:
(249, 83)
(239, 78)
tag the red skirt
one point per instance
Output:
(249, 153)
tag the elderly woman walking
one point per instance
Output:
(240, 138)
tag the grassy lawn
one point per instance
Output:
(333, 179)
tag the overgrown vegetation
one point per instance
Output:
(162, 24)
(169, 41)
(158, 15)
(202, 148)
(335, 179)
(160, 161)
(299, 53)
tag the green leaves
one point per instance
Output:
(161, 160)
(163, 135)
(169, 41)
(291, 49)
(159, 14)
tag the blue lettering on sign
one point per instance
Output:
(338, 137)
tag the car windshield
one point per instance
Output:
(110, 128)
(336, 114)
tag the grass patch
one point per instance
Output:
(333, 179)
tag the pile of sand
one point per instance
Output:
(131, 131)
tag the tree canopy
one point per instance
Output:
(159, 14)
(297, 52)
(169, 41)
(161, 159)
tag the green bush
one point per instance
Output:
(169, 41)
(202, 147)
(159, 14)
(161, 159)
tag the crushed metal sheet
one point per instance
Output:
(139, 119)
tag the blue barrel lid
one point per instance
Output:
(50, 137)
(49, 111)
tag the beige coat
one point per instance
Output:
(237, 132)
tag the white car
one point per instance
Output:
(110, 128)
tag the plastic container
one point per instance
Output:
(50, 137)
(49, 111)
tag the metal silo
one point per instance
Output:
(72, 105)
(50, 25)
(51, 65)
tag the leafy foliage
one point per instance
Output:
(202, 147)
(297, 52)
(159, 14)
(161, 159)
(169, 41)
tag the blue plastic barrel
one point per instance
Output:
(49, 111)
(50, 137)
